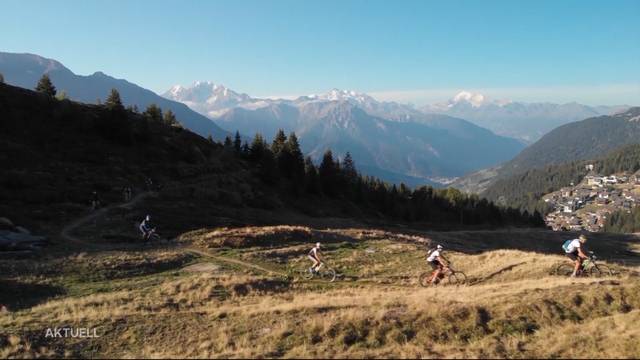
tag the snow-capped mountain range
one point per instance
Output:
(526, 122)
(393, 141)
(213, 100)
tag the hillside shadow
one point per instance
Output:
(18, 295)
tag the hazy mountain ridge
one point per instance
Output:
(435, 147)
(525, 121)
(24, 70)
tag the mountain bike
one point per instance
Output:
(449, 276)
(589, 268)
(325, 273)
(153, 237)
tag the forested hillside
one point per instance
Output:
(524, 190)
(57, 152)
(582, 140)
(624, 222)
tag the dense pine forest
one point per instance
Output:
(524, 191)
(282, 164)
(624, 222)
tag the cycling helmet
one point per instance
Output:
(148, 218)
(318, 244)
(439, 247)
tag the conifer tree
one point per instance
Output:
(237, 143)
(153, 113)
(1, 79)
(210, 138)
(45, 86)
(113, 101)
(296, 158)
(169, 118)
(311, 176)
(258, 148)
(327, 174)
(245, 149)
(278, 142)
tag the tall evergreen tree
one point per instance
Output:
(169, 118)
(45, 86)
(245, 149)
(349, 168)
(327, 174)
(296, 158)
(237, 143)
(210, 138)
(278, 142)
(153, 113)
(258, 148)
(1, 79)
(113, 101)
(312, 184)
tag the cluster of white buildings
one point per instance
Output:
(587, 205)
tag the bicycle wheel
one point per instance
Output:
(306, 274)
(457, 278)
(329, 275)
(423, 279)
(600, 270)
(564, 270)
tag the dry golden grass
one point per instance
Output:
(513, 309)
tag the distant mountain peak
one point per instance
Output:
(346, 95)
(205, 91)
(476, 100)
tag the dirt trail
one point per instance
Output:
(65, 233)
(233, 261)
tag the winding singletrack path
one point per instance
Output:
(65, 233)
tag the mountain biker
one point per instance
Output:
(146, 228)
(438, 262)
(95, 201)
(126, 192)
(314, 255)
(574, 250)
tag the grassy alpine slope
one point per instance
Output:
(222, 286)
(223, 293)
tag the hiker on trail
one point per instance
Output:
(95, 201)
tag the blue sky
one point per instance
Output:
(418, 51)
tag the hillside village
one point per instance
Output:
(587, 205)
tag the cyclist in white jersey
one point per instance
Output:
(314, 255)
(575, 252)
(438, 263)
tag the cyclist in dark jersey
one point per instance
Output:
(146, 228)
